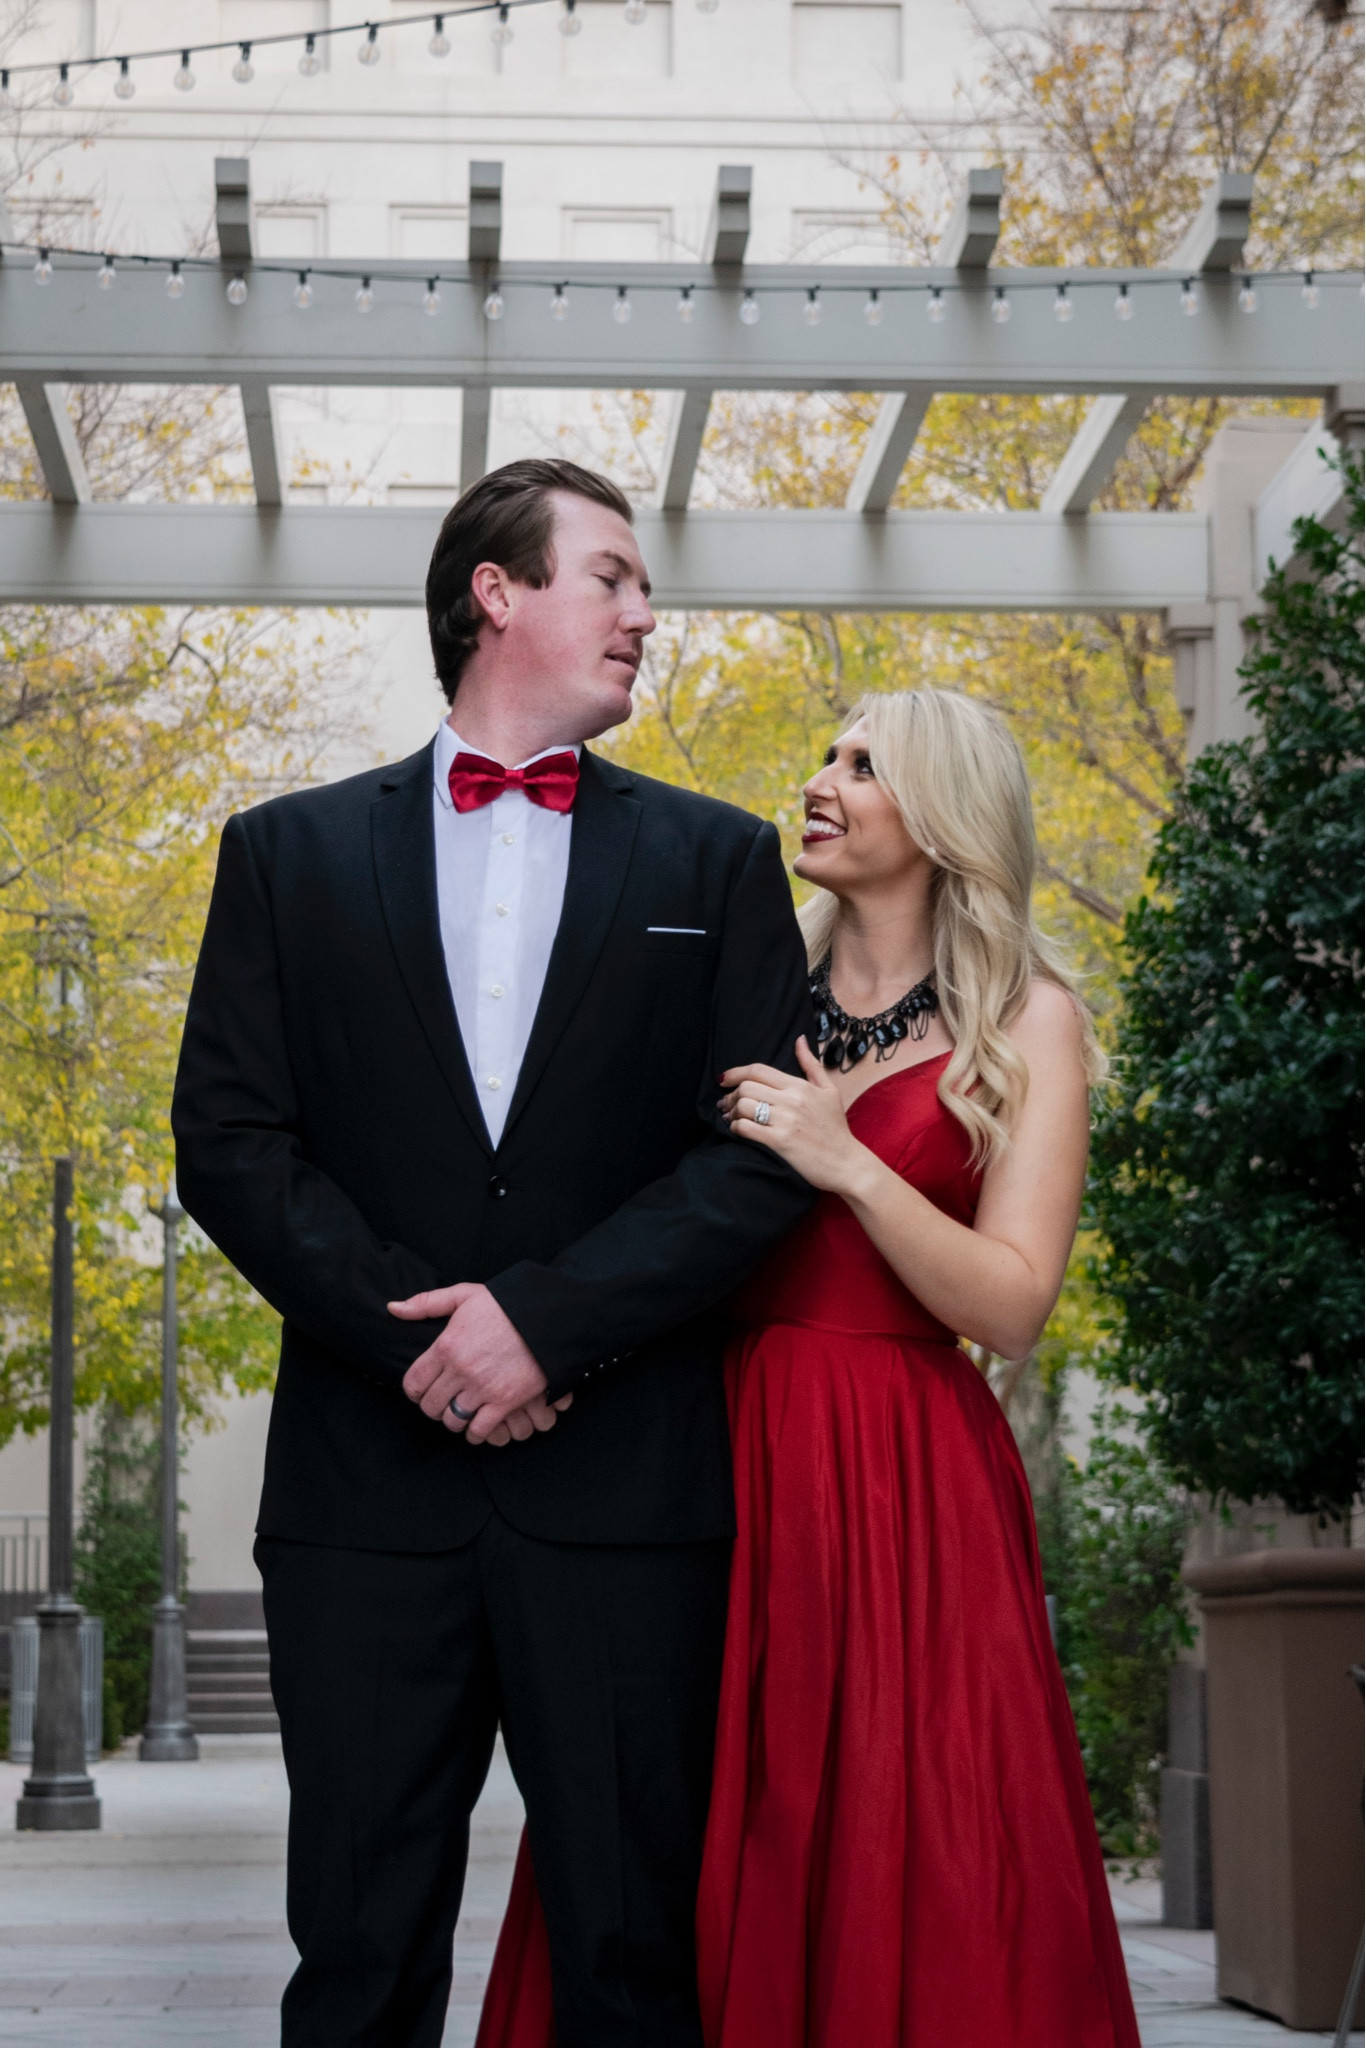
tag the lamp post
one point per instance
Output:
(59, 1793)
(168, 1737)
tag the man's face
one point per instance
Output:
(581, 638)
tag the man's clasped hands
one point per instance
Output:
(480, 1362)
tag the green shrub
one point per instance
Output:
(1117, 1538)
(118, 1562)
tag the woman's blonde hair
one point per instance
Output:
(955, 774)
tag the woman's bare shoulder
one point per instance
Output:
(1048, 1027)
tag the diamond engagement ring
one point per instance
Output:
(762, 1112)
(464, 1414)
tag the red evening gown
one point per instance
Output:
(900, 1851)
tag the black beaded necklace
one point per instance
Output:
(842, 1040)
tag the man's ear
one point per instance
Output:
(491, 588)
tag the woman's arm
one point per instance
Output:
(994, 1283)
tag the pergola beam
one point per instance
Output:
(72, 333)
(726, 242)
(687, 429)
(747, 561)
(890, 441)
(1216, 236)
(969, 241)
(235, 221)
(54, 441)
(1096, 447)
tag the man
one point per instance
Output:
(447, 1097)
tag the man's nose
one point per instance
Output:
(638, 618)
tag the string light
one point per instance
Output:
(237, 290)
(42, 269)
(707, 6)
(5, 101)
(1000, 306)
(621, 310)
(502, 29)
(569, 20)
(243, 70)
(1124, 305)
(634, 12)
(559, 303)
(368, 53)
(105, 278)
(1190, 299)
(811, 311)
(310, 63)
(1063, 309)
(63, 93)
(124, 87)
(687, 308)
(936, 309)
(184, 78)
(439, 43)
(494, 308)
(365, 296)
(431, 298)
(1247, 296)
(749, 310)
(1309, 290)
(175, 283)
(303, 292)
(872, 310)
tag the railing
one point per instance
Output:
(23, 1551)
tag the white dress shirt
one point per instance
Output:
(500, 876)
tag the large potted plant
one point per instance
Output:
(1228, 1187)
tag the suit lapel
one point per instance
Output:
(605, 820)
(404, 847)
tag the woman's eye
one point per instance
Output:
(862, 765)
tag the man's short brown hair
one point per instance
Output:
(507, 518)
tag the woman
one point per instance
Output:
(900, 1851)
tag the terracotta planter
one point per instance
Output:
(1282, 1630)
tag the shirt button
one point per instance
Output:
(509, 839)
(497, 989)
(493, 1082)
(498, 1187)
(501, 908)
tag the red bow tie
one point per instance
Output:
(551, 782)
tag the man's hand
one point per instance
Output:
(480, 1361)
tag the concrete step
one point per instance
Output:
(215, 1723)
(201, 1682)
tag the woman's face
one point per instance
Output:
(855, 837)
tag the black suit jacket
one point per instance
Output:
(329, 1140)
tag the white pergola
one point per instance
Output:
(1065, 557)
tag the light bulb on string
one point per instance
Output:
(431, 298)
(872, 309)
(749, 310)
(5, 100)
(622, 309)
(1190, 298)
(368, 53)
(1309, 290)
(937, 308)
(569, 20)
(42, 269)
(104, 277)
(365, 296)
(439, 44)
(175, 283)
(184, 78)
(1124, 305)
(501, 31)
(310, 63)
(243, 70)
(1000, 306)
(707, 6)
(1247, 296)
(494, 308)
(634, 12)
(63, 92)
(303, 292)
(124, 87)
(1063, 309)
(237, 290)
(559, 303)
(811, 311)
(687, 306)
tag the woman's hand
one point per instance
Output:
(806, 1123)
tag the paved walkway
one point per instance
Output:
(168, 1926)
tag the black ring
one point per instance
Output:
(464, 1414)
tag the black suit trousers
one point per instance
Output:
(391, 1672)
